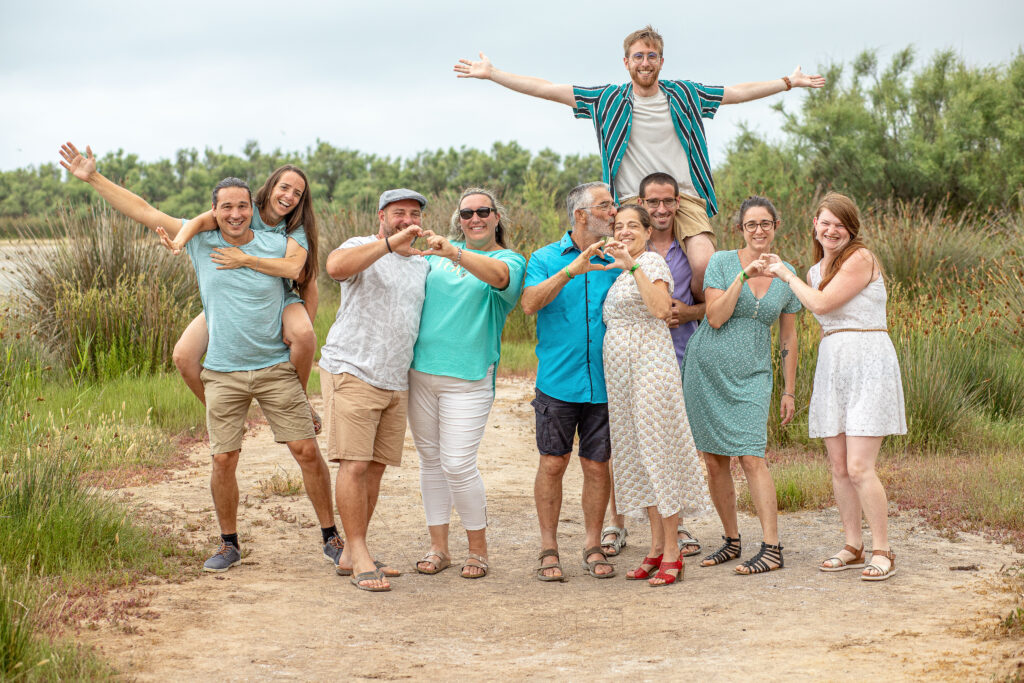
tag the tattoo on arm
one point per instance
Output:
(785, 352)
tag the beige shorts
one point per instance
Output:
(691, 218)
(279, 393)
(362, 422)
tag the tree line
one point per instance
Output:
(946, 133)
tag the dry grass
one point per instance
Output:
(281, 483)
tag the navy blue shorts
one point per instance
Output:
(559, 421)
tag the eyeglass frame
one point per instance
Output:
(651, 56)
(655, 202)
(604, 206)
(487, 211)
(764, 225)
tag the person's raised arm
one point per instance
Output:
(853, 276)
(528, 85)
(484, 268)
(120, 199)
(654, 294)
(745, 92)
(344, 263)
(540, 295)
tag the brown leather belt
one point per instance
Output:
(855, 329)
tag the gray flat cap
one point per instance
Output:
(391, 196)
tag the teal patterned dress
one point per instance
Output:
(727, 375)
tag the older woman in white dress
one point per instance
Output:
(653, 457)
(858, 396)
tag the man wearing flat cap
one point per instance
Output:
(364, 368)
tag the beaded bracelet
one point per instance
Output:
(789, 83)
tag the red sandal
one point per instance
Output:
(639, 574)
(669, 579)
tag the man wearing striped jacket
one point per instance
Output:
(650, 125)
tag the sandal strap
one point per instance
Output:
(594, 550)
(758, 565)
(478, 558)
(888, 554)
(730, 550)
(549, 552)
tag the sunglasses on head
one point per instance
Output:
(483, 212)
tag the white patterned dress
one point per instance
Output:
(857, 387)
(653, 457)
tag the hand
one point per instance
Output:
(82, 167)
(438, 245)
(401, 241)
(673, 314)
(582, 264)
(481, 69)
(787, 409)
(172, 245)
(801, 80)
(619, 252)
(756, 267)
(780, 271)
(229, 258)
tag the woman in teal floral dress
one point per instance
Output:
(727, 379)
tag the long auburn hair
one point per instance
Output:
(843, 208)
(301, 216)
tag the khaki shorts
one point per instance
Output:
(691, 218)
(278, 391)
(362, 422)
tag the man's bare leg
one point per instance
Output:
(547, 495)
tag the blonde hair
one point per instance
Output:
(648, 35)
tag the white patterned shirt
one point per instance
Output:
(378, 319)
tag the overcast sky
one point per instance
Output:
(377, 76)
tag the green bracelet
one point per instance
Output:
(744, 277)
(633, 269)
(567, 273)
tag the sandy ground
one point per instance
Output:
(284, 614)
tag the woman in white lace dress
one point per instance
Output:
(858, 395)
(653, 457)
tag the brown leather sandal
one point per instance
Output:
(541, 568)
(838, 564)
(883, 573)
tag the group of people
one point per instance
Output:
(654, 350)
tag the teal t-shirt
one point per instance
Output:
(460, 328)
(243, 307)
(298, 234)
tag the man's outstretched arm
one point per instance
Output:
(528, 85)
(745, 92)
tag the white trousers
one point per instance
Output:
(447, 417)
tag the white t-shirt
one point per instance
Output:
(653, 147)
(378, 319)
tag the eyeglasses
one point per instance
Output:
(604, 206)
(654, 203)
(483, 212)
(751, 226)
(638, 57)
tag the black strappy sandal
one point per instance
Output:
(758, 564)
(729, 551)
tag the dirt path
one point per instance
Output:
(284, 614)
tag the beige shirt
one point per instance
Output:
(653, 147)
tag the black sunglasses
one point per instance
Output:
(483, 212)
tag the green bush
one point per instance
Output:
(103, 300)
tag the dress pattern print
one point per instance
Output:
(653, 457)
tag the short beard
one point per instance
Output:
(599, 228)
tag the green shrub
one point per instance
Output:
(104, 299)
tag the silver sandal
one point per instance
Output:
(613, 548)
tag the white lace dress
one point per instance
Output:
(857, 386)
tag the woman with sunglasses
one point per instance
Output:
(474, 282)
(727, 380)
(858, 395)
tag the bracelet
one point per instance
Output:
(743, 276)
(786, 393)
(388, 245)
(633, 269)
(789, 83)
(458, 257)
(567, 273)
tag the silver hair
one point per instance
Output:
(579, 197)
(455, 233)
